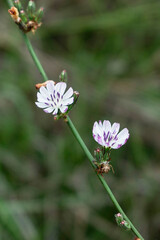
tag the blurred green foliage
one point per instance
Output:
(111, 51)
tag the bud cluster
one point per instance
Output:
(121, 222)
(102, 160)
(102, 154)
(28, 20)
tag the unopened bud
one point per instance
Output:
(63, 76)
(98, 155)
(23, 16)
(119, 218)
(31, 9)
(125, 225)
(39, 14)
(18, 4)
(38, 85)
(14, 14)
(76, 96)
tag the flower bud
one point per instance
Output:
(98, 155)
(23, 16)
(125, 225)
(76, 96)
(18, 4)
(31, 9)
(119, 218)
(39, 14)
(63, 76)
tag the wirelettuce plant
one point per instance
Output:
(53, 98)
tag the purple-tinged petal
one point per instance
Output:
(55, 111)
(122, 140)
(48, 110)
(94, 130)
(115, 128)
(123, 134)
(98, 139)
(116, 146)
(63, 109)
(97, 129)
(100, 123)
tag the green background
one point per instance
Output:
(48, 190)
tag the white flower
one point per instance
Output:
(52, 98)
(108, 136)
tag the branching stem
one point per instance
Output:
(78, 137)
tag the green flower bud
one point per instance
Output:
(18, 4)
(31, 9)
(23, 16)
(39, 14)
(63, 76)
(98, 155)
(119, 218)
(125, 225)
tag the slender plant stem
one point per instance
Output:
(90, 157)
(34, 57)
(78, 137)
(32, 52)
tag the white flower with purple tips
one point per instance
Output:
(52, 98)
(108, 136)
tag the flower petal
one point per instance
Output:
(107, 135)
(40, 97)
(61, 87)
(68, 94)
(115, 128)
(122, 139)
(106, 126)
(50, 87)
(41, 105)
(98, 139)
(44, 91)
(68, 101)
(48, 110)
(63, 109)
(98, 133)
(123, 134)
(55, 111)
(97, 130)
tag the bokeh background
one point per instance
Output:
(48, 190)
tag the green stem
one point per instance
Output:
(90, 157)
(78, 137)
(34, 57)
(32, 52)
